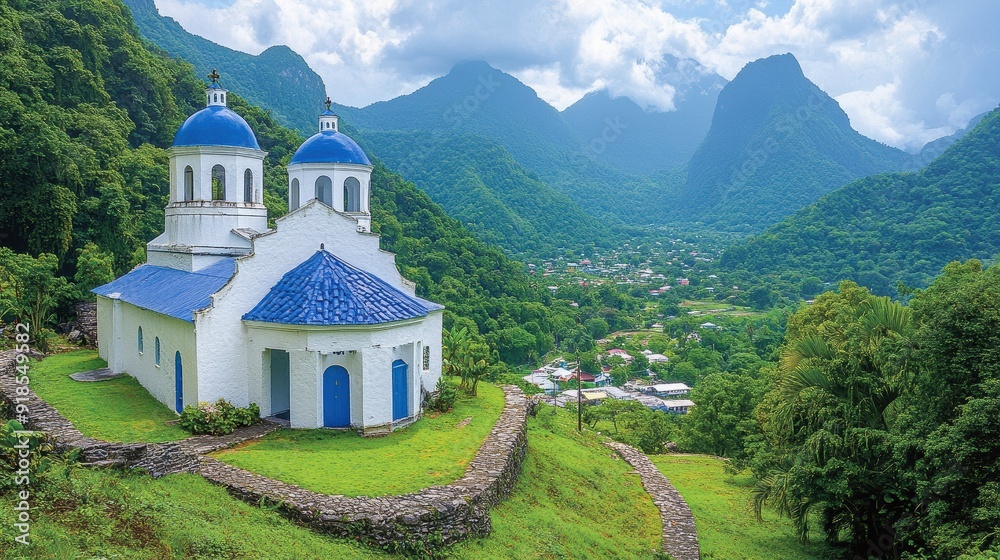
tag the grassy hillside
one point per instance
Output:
(723, 514)
(574, 499)
(896, 227)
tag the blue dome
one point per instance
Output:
(330, 147)
(216, 125)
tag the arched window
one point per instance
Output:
(156, 351)
(218, 183)
(293, 195)
(324, 190)
(352, 195)
(427, 357)
(216, 96)
(188, 183)
(139, 340)
(247, 186)
(223, 98)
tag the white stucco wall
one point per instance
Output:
(366, 352)
(117, 334)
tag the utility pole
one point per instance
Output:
(579, 396)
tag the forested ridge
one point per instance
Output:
(478, 181)
(277, 78)
(891, 228)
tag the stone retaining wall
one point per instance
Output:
(436, 515)
(157, 459)
(680, 538)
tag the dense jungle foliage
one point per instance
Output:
(893, 228)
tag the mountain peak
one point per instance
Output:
(777, 142)
(472, 67)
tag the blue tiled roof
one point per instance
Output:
(216, 125)
(325, 290)
(330, 147)
(169, 291)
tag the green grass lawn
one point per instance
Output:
(118, 409)
(106, 514)
(575, 499)
(723, 513)
(433, 451)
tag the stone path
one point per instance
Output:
(680, 538)
(94, 375)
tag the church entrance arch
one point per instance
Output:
(336, 398)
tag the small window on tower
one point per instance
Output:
(247, 186)
(188, 183)
(293, 195)
(216, 97)
(324, 190)
(218, 183)
(352, 195)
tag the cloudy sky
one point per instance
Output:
(906, 71)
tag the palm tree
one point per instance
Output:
(837, 395)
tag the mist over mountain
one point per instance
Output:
(638, 140)
(777, 143)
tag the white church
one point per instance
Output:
(310, 320)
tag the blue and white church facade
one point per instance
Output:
(311, 320)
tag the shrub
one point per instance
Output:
(218, 418)
(13, 440)
(444, 396)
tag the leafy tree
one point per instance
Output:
(843, 368)
(31, 291)
(93, 268)
(950, 442)
(723, 415)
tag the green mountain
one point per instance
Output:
(635, 140)
(277, 78)
(895, 227)
(477, 181)
(935, 148)
(475, 99)
(777, 143)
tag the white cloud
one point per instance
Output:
(905, 71)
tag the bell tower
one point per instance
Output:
(332, 169)
(216, 188)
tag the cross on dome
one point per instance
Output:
(215, 94)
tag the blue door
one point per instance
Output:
(399, 407)
(178, 383)
(336, 398)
